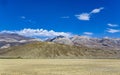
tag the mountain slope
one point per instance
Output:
(10, 39)
(102, 43)
(53, 50)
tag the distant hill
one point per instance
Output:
(11, 39)
(101, 43)
(53, 50)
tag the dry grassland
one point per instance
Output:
(59, 67)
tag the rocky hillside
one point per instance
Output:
(53, 50)
(102, 43)
(8, 40)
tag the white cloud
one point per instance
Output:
(88, 33)
(83, 16)
(112, 25)
(113, 30)
(87, 16)
(23, 17)
(38, 33)
(106, 37)
(97, 10)
(65, 17)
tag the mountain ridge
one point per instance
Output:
(58, 47)
(12, 39)
(102, 43)
(50, 50)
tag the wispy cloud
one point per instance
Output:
(88, 33)
(97, 10)
(66, 17)
(112, 25)
(39, 33)
(87, 16)
(106, 37)
(23, 17)
(83, 16)
(113, 30)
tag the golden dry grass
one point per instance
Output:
(59, 67)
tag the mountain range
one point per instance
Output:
(102, 43)
(10, 39)
(17, 46)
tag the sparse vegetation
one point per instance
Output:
(59, 67)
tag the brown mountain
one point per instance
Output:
(53, 50)
(101, 43)
(11, 39)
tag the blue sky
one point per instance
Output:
(96, 18)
